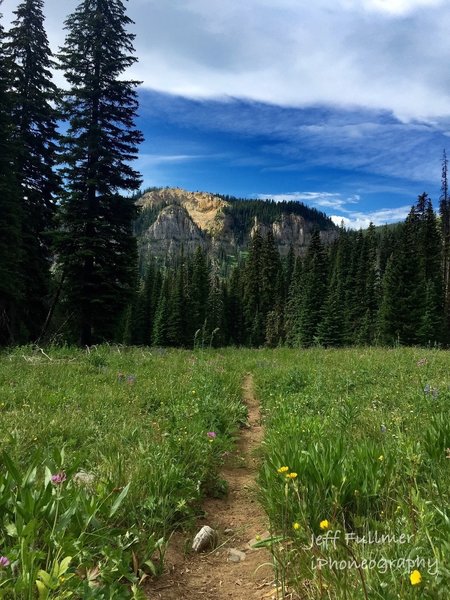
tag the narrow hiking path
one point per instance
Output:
(238, 519)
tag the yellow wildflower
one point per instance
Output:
(283, 469)
(324, 524)
(257, 538)
(415, 577)
(296, 526)
(381, 457)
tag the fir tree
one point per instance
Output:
(198, 295)
(11, 280)
(34, 117)
(160, 335)
(314, 295)
(254, 318)
(98, 251)
(293, 306)
(215, 319)
(444, 211)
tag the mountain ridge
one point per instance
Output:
(173, 219)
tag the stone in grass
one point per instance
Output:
(235, 555)
(206, 538)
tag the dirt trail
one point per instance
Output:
(211, 575)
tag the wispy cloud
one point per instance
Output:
(335, 201)
(352, 219)
(147, 160)
(361, 220)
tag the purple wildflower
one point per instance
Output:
(58, 478)
(4, 562)
(211, 434)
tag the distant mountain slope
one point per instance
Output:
(172, 218)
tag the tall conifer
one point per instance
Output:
(11, 281)
(97, 248)
(34, 116)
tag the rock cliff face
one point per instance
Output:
(174, 218)
(172, 230)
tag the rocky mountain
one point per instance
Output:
(172, 218)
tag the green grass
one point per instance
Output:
(366, 431)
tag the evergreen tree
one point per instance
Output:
(215, 315)
(160, 335)
(234, 310)
(11, 280)
(444, 211)
(254, 320)
(177, 318)
(293, 306)
(34, 117)
(97, 248)
(198, 295)
(314, 295)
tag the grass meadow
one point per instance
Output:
(105, 452)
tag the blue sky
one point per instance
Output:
(342, 104)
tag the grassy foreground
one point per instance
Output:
(105, 452)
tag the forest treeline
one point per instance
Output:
(387, 285)
(68, 256)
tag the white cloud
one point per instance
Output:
(362, 220)
(351, 218)
(386, 54)
(397, 7)
(319, 199)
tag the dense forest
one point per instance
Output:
(385, 285)
(68, 225)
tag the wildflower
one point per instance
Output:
(296, 526)
(383, 428)
(324, 524)
(283, 470)
(58, 478)
(4, 562)
(422, 362)
(381, 458)
(193, 392)
(291, 475)
(415, 578)
(427, 389)
(211, 434)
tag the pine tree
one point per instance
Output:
(234, 310)
(198, 295)
(11, 281)
(314, 295)
(160, 335)
(254, 320)
(293, 305)
(444, 211)
(97, 248)
(35, 134)
(215, 314)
